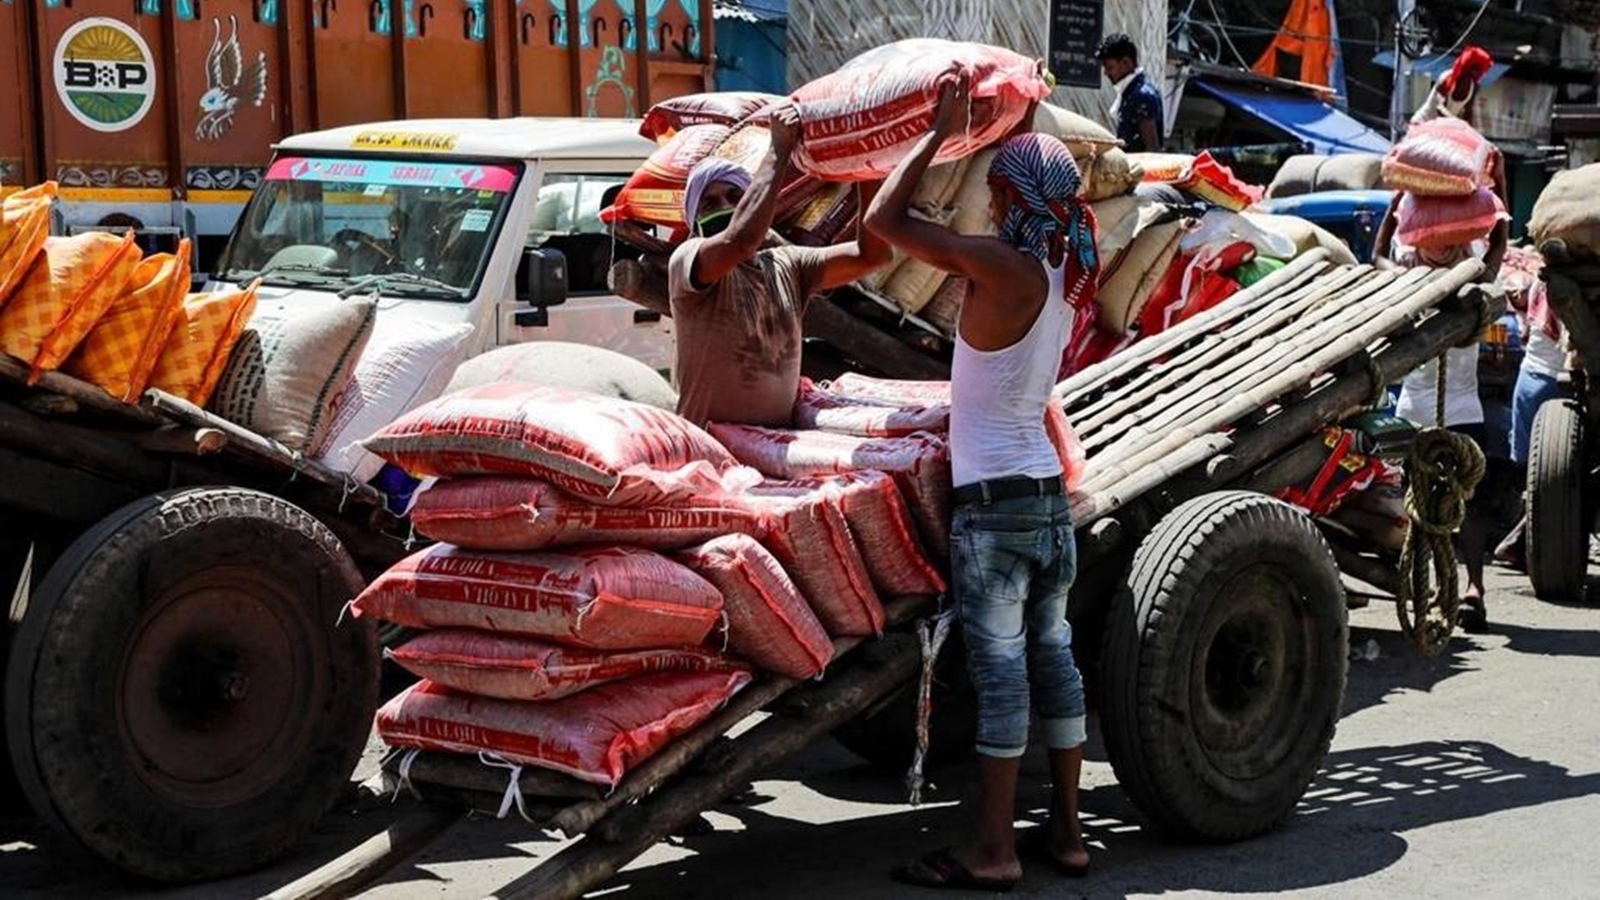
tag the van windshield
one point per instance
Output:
(413, 227)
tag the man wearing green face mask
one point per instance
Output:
(737, 303)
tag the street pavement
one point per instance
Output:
(1476, 773)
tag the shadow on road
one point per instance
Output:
(1349, 826)
(1399, 668)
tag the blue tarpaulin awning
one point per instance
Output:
(1326, 129)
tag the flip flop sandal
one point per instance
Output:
(940, 869)
(1474, 616)
(1033, 844)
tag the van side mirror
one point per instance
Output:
(542, 278)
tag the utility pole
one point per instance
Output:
(1400, 102)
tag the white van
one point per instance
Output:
(454, 220)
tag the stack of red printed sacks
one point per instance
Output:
(554, 632)
(897, 427)
(590, 549)
(1447, 162)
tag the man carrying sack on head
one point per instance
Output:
(1013, 557)
(737, 303)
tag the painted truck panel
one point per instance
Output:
(161, 113)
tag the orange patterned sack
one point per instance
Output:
(122, 350)
(65, 292)
(519, 668)
(769, 622)
(24, 225)
(197, 350)
(595, 736)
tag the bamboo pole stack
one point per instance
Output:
(1185, 398)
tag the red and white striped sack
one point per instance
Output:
(861, 120)
(920, 464)
(602, 448)
(506, 513)
(1443, 157)
(889, 391)
(881, 524)
(811, 539)
(517, 668)
(602, 598)
(825, 410)
(595, 736)
(865, 388)
(769, 623)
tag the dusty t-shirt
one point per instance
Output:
(738, 340)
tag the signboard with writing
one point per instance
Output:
(1075, 31)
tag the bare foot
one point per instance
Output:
(1064, 839)
(993, 863)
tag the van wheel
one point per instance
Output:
(183, 700)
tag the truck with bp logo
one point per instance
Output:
(159, 115)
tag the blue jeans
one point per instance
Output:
(1531, 393)
(1013, 563)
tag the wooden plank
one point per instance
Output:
(468, 773)
(858, 339)
(253, 446)
(1136, 358)
(657, 770)
(592, 860)
(1160, 439)
(86, 394)
(851, 335)
(348, 874)
(1235, 364)
(1452, 323)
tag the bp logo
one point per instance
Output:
(105, 74)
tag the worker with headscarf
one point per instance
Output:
(1463, 408)
(1013, 558)
(1456, 89)
(737, 302)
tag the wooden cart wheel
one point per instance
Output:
(182, 700)
(1224, 667)
(1557, 539)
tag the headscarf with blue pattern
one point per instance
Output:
(1050, 220)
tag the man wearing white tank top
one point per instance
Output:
(1012, 551)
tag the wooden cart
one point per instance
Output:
(1562, 498)
(181, 698)
(184, 698)
(1210, 617)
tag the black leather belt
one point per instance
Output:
(1007, 489)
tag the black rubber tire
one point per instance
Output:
(1557, 539)
(183, 700)
(886, 735)
(13, 563)
(1225, 663)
